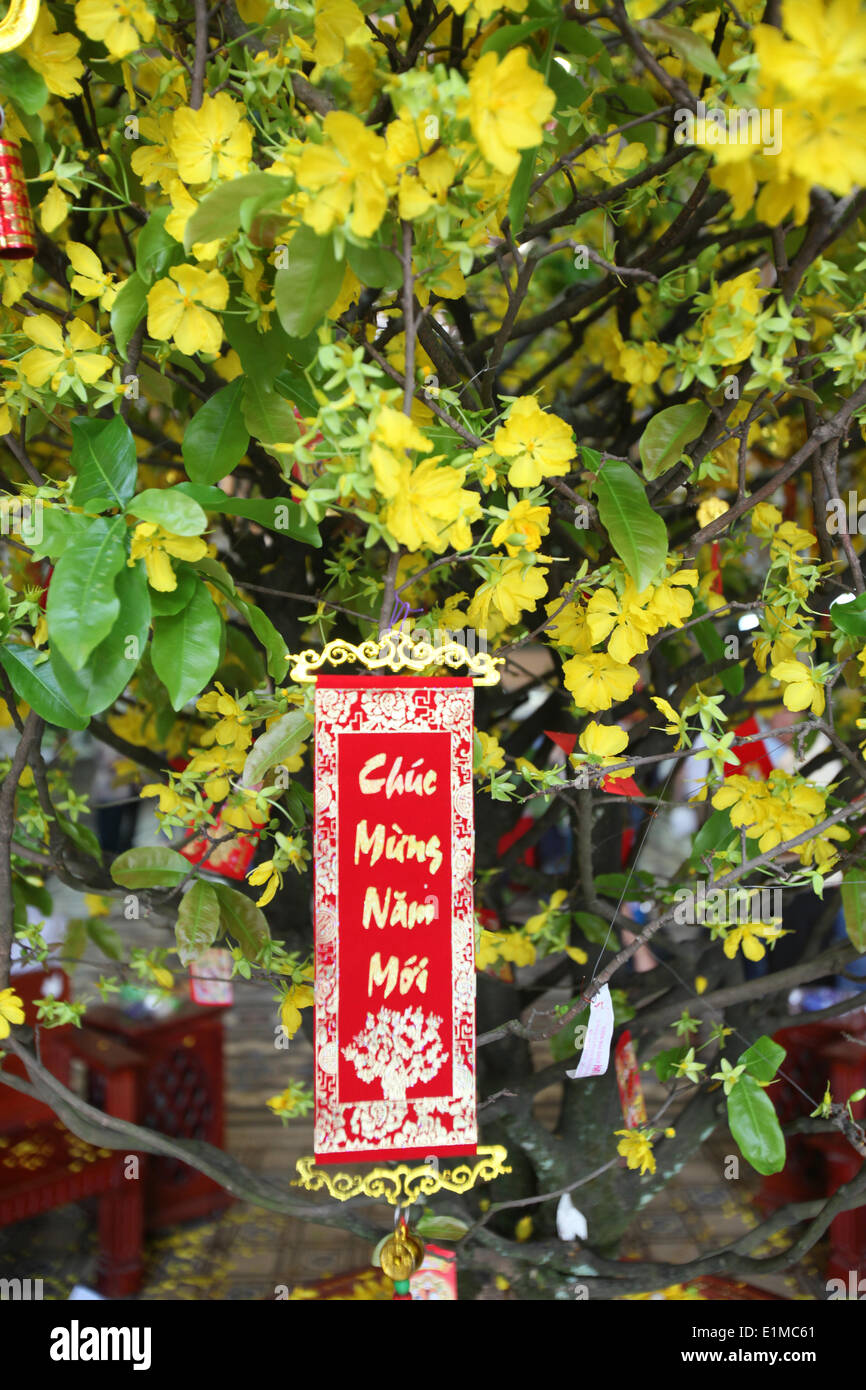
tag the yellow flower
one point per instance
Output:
(678, 723)
(711, 510)
(802, 690)
(425, 502)
(265, 873)
(170, 802)
(539, 445)
(215, 142)
(790, 538)
(491, 757)
(54, 56)
(523, 1229)
(154, 545)
(537, 923)
(605, 742)
(349, 174)
(297, 997)
(670, 605)
(229, 730)
(11, 1011)
(597, 682)
(625, 617)
(751, 938)
(156, 163)
(515, 948)
(700, 984)
(119, 24)
(423, 178)
(765, 518)
(174, 309)
(216, 764)
(62, 359)
(90, 280)
(511, 589)
(508, 107)
(53, 209)
(569, 628)
(487, 952)
(636, 1149)
(337, 23)
(243, 811)
(523, 528)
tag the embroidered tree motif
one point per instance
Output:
(399, 1050)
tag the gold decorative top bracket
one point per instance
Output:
(396, 651)
(405, 1183)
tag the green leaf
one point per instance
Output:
(275, 647)
(186, 647)
(519, 195)
(637, 533)
(166, 603)
(103, 935)
(854, 905)
(594, 928)
(269, 418)
(578, 39)
(850, 617)
(281, 514)
(432, 1226)
(307, 289)
(502, 40)
(293, 384)
(170, 508)
(217, 215)
(82, 605)
(18, 81)
(60, 531)
(279, 743)
(755, 1126)
(667, 434)
(686, 43)
(111, 666)
(156, 251)
(243, 920)
(216, 439)
(665, 1062)
(713, 648)
(127, 311)
(80, 835)
(105, 464)
(374, 266)
(74, 942)
(34, 681)
(763, 1059)
(716, 832)
(150, 866)
(198, 921)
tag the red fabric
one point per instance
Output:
(749, 754)
(517, 832)
(393, 760)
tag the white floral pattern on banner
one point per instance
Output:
(394, 1123)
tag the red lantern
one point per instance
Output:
(17, 237)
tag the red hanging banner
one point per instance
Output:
(395, 947)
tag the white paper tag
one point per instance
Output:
(596, 1049)
(570, 1223)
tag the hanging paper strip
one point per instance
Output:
(395, 958)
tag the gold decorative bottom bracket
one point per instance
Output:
(406, 1182)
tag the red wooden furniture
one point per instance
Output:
(43, 1165)
(182, 1096)
(818, 1164)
